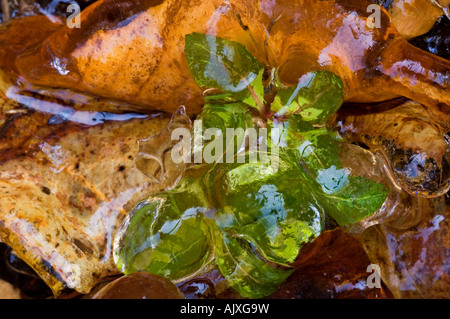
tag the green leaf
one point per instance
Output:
(254, 94)
(250, 275)
(174, 249)
(317, 96)
(278, 240)
(317, 151)
(225, 65)
(273, 210)
(224, 129)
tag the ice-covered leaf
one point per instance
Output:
(317, 96)
(353, 199)
(61, 204)
(224, 127)
(413, 139)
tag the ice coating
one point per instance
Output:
(415, 17)
(414, 262)
(65, 188)
(413, 140)
(401, 210)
